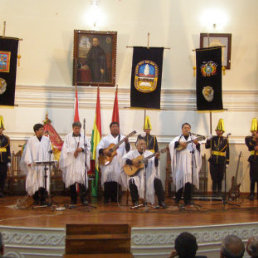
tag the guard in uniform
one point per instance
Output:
(151, 140)
(252, 145)
(219, 158)
(5, 156)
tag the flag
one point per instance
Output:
(54, 138)
(115, 116)
(8, 63)
(76, 107)
(208, 79)
(95, 139)
(146, 77)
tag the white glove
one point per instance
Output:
(9, 164)
(227, 165)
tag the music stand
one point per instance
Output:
(47, 165)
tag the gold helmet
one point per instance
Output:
(1, 122)
(254, 125)
(147, 124)
(220, 126)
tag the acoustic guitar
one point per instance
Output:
(105, 160)
(132, 170)
(234, 192)
(199, 138)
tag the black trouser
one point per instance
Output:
(40, 195)
(110, 191)
(158, 190)
(217, 173)
(73, 193)
(3, 175)
(253, 176)
(187, 193)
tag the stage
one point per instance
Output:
(37, 232)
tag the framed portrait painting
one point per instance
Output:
(94, 58)
(218, 39)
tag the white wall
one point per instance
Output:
(47, 29)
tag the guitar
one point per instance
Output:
(105, 160)
(199, 138)
(132, 170)
(234, 192)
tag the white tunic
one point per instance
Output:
(36, 150)
(75, 169)
(183, 161)
(152, 172)
(112, 172)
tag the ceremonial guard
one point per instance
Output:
(144, 170)
(75, 162)
(37, 149)
(111, 171)
(219, 158)
(185, 163)
(252, 145)
(151, 140)
(5, 156)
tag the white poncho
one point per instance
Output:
(152, 172)
(36, 150)
(75, 169)
(112, 172)
(182, 161)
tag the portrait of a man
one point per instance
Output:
(94, 58)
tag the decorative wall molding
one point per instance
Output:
(171, 99)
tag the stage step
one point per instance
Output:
(98, 239)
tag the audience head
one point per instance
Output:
(232, 247)
(186, 245)
(252, 247)
(1, 245)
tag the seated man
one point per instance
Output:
(137, 181)
(185, 246)
(252, 247)
(232, 247)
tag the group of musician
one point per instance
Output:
(123, 167)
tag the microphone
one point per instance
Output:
(84, 122)
(50, 151)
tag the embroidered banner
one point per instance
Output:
(146, 77)
(208, 79)
(8, 62)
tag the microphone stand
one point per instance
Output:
(85, 161)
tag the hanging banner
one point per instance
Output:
(208, 79)
(8, 62)
(146, 77)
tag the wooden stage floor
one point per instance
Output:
(210, 213)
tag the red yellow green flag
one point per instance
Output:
(95, 139)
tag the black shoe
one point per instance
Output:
(177, 201)
(73, 202)
(1, 195)
(85, 203)
(43, 203)
(35, 203)
(251, 197)
(136, 203)
(163, 205)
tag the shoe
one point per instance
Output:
(136, 203)
(35, 203)
(177, 201)
(43, 203)
(251, 197)
(73, 202)
(85, 203)
(1, 195)
(163, 205)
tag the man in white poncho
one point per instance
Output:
(75, 162)
(38, 148)
(185, 163)
(137, 182)
(111, 173)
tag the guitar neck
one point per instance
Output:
(120, 142)
(152, 155)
